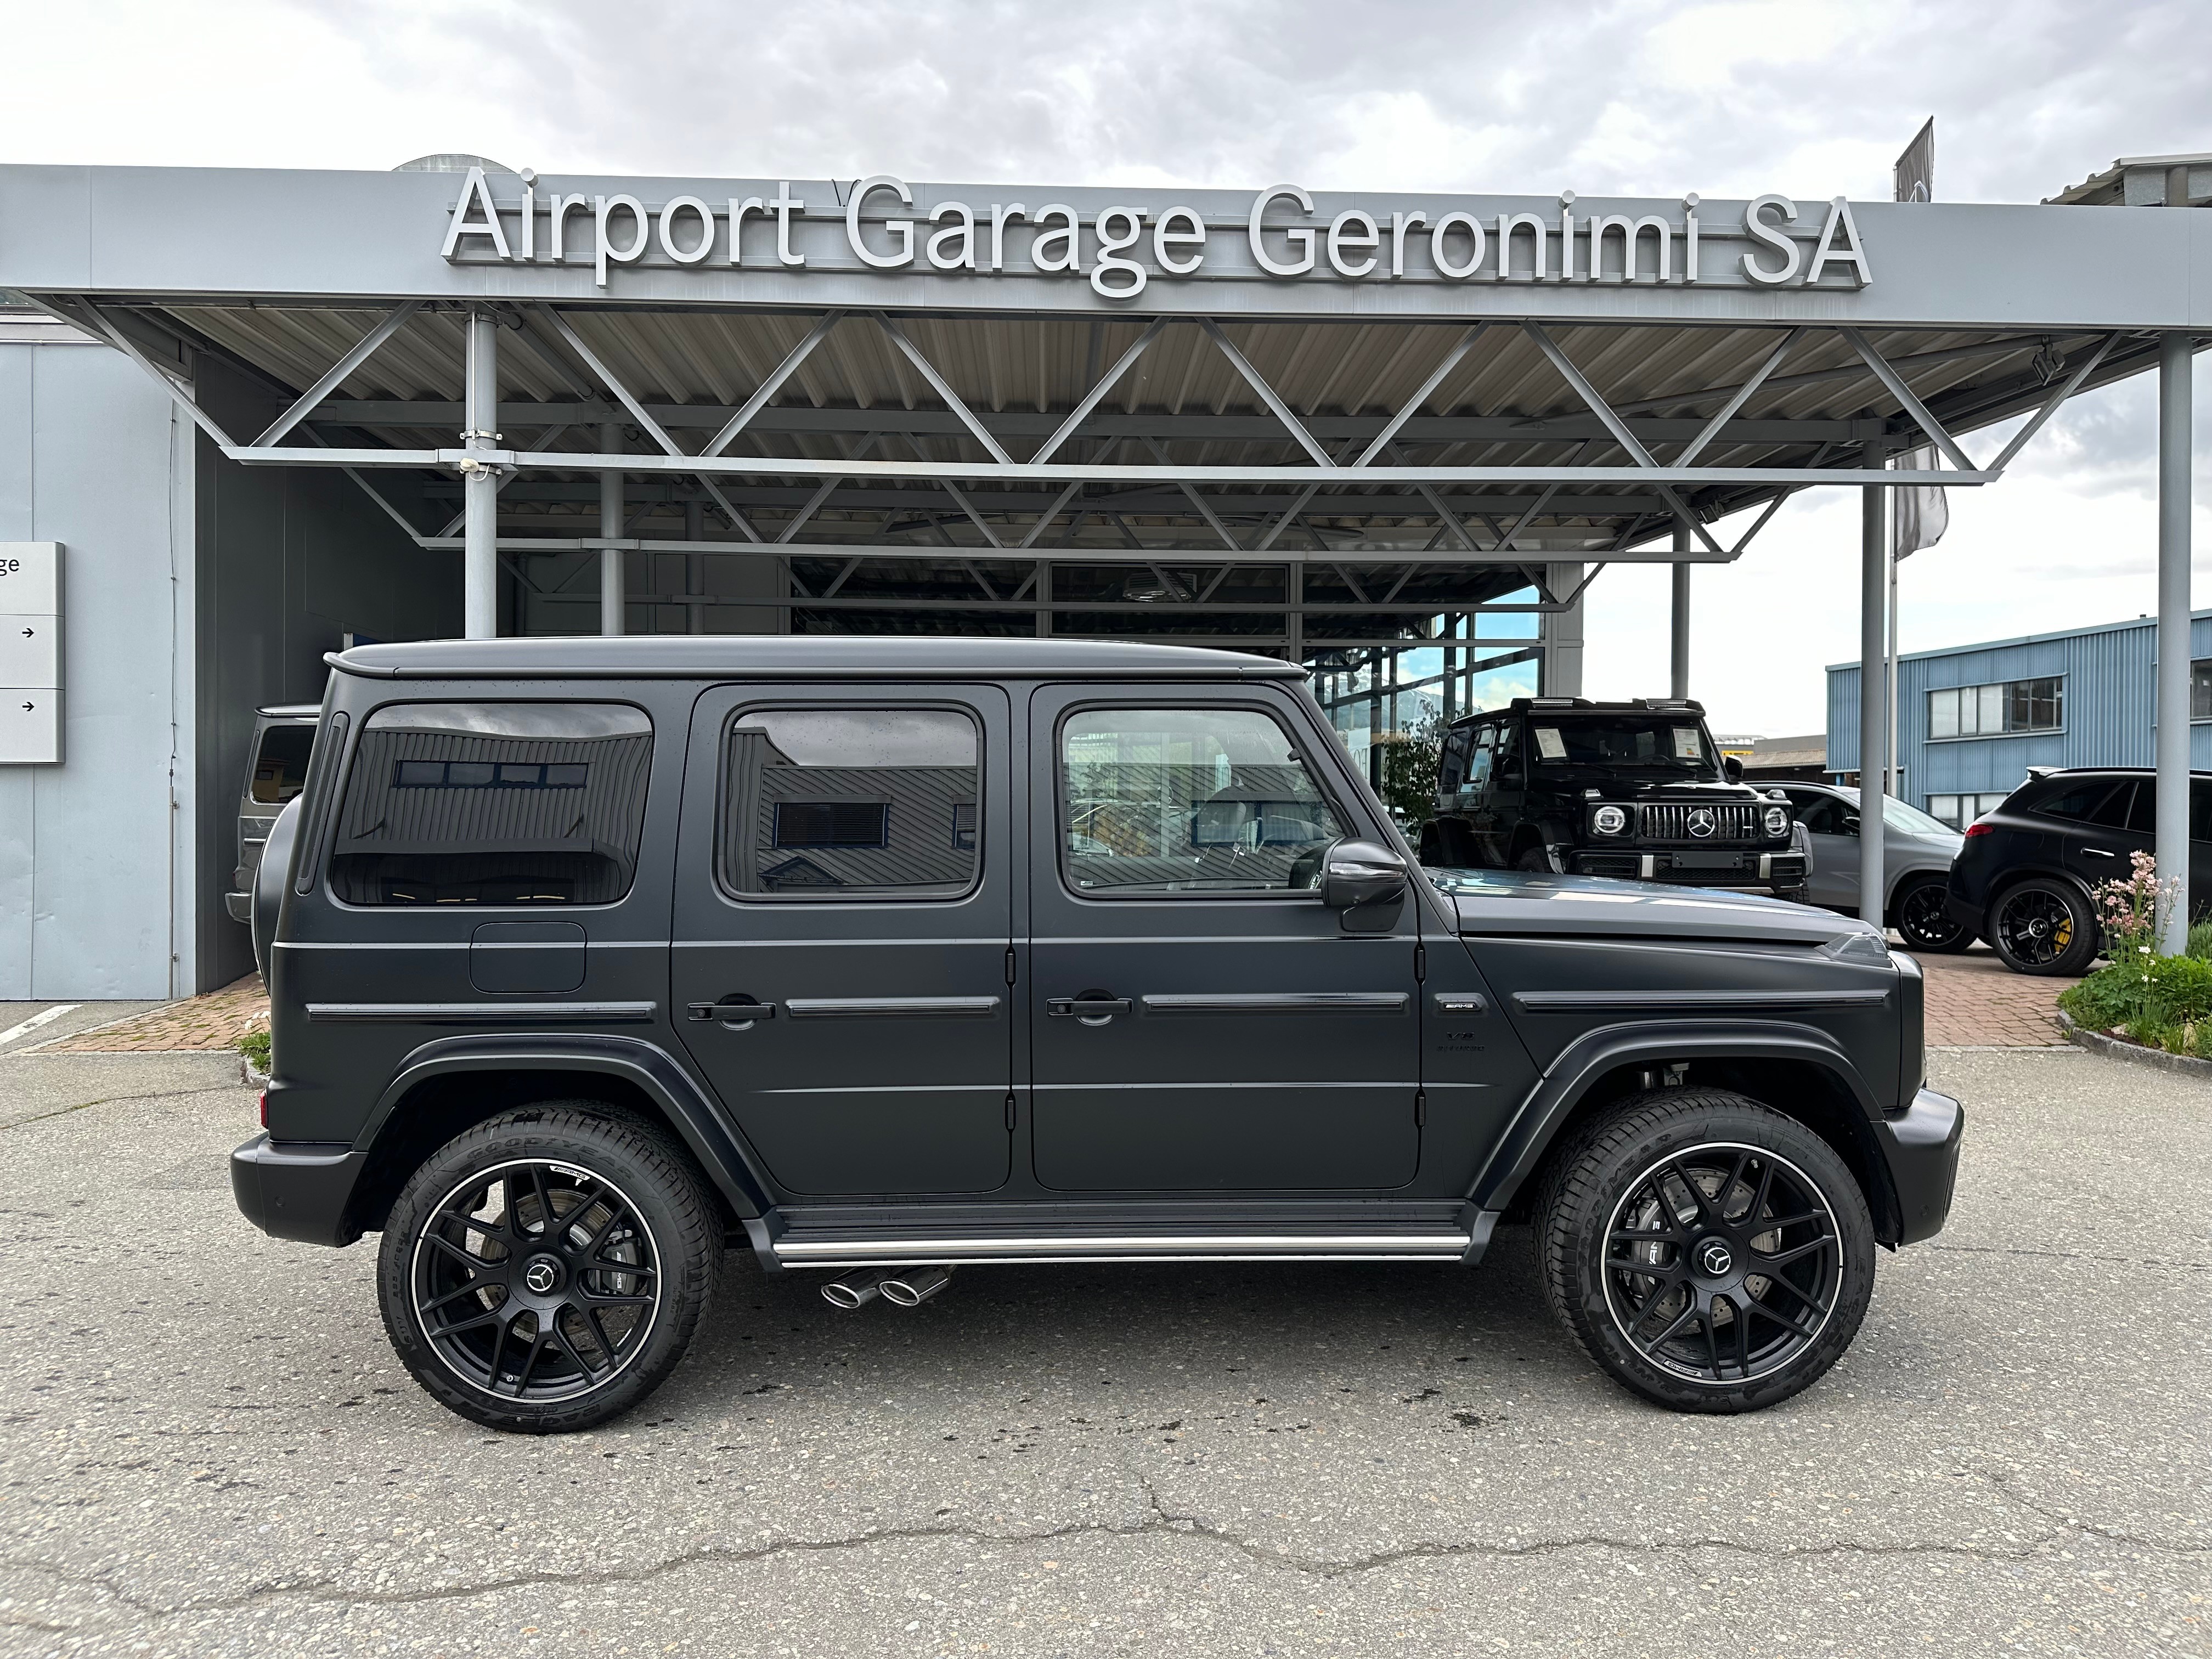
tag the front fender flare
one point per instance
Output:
(1552, 1102)
(712, 1140)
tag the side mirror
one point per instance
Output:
(1732, 769)
(1359, 872)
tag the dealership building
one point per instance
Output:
(248, 415)
(1972, 719)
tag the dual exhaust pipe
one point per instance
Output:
(902, 1287)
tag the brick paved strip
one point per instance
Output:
(1975, 1001)
(216, 1020)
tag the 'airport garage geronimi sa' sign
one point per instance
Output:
(1110, 245)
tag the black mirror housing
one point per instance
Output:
(1357, 873)
(1732, 769)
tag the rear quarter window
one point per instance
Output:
(503, 803)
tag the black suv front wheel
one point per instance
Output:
(1712, 1254)
(545, 1271)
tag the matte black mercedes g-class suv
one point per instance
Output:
(591, 958)
(1636, 789)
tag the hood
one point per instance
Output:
(1618, 782)
(1526, 903)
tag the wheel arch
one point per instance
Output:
(451, 1084)
(1797, 1070)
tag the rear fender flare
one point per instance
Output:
(1535, 1127)
(711, 1139)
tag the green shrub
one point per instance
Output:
(2165, 1003)
(254, 1045)
(2200, 941)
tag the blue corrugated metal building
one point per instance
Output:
(1971, 720)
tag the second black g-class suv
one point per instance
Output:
(591, 958)
(1637, 790)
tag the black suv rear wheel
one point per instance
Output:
(2043, 925)
(1924, 923)
(1712, 1254)
(545, 1271)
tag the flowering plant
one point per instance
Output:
(2128, 909)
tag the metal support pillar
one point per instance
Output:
(480, 484)
(611, 527)
(1678, 666)
(1562, 632)
(695, 564)
(2172, 752)
(1873, 716)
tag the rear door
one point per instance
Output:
(2104, 829)
(1200, 1020)
(844, 931)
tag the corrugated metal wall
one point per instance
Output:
(2109, 717)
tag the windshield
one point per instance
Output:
(1657, 740)
(1908, 820)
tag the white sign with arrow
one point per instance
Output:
(30, 653)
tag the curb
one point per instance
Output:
(2135, 1053)
(254, 1078)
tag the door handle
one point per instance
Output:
(2101, 852)
(1091, 1008)
(730, 1012)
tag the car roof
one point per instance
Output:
(718, 656)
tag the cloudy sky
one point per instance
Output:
(1636, 98)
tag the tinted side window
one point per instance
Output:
(2080, 802)
(1480, 764)
(1187, 800)
(1821, 815)
(518, 803)
(850, 803)
(279, 768)
(1451, 763)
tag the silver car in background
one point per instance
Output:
(1917, 853)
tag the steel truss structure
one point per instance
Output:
(1291, 485)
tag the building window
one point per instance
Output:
(2200, 690)
(1988, 711)
(1959, 810)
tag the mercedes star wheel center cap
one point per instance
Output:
(543, 1273)
(1715, 1259)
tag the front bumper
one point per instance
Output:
(1921, 1146)
(1744, 871)
(296, 1189)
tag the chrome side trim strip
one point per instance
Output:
(1269, 1002)
(481, 1013)
(1311, 1247)
(890, 1007)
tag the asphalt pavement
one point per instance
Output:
(207, 1448)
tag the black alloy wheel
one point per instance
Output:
(1925, 924)
(2042, 925)
(1535, 856)
(1712, 1254)
(545, 1271)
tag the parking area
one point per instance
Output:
(208, 1448)
(1975, 1001)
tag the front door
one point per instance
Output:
(1199, 1020)
(1832, 824)
(843, 932)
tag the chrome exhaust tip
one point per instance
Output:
(913, 1286)
(855, 1289)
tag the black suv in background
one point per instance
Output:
(883, 956)
(2023, 878)
(1635, 789)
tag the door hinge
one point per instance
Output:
(1420, 1107)
(1421, 963)
(1009, 1111)
(1010, 965)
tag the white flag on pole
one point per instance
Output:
(1923, 511)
